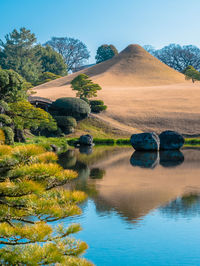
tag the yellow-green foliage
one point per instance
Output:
(43, 172)
(29, 202)
(19, 188)
(57, 253)
(5, 150)
(2, 137)
(26, 115)
(40, 229)
(26, 151)
(47, 157)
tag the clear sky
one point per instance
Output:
(95, 22)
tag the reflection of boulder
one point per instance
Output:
(83, 171)
(171, 158)
(85, 149)
(145, 141)
(144, 159)
(67, 159)
(171, 140)
(97, 173)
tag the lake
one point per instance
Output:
(142, 208)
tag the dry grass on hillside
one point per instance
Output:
(141, 93)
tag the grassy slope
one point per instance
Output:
(98, 129)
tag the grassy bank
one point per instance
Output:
(64, 142)
(60, 142)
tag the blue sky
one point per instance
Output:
(118, 22)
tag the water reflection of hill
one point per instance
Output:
(135, 191)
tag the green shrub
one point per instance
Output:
(66, 123)
(69, 106)
(46, 77)
(96, 102)
(4, 105)
(5, 120)
(9, 135)
(97, 106)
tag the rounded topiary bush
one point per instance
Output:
(74, 107)
(5, 120)
(96, 102)
(9, 135)
(97, 106)
(66, 123)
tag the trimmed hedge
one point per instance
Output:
(66, 123)
(69, 106)
(97, 106)
(9, 135)
(96, 102)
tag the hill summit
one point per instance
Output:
(134, 66)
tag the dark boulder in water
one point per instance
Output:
(171, 140)
(145, 141)
(145, 159)
(86, 140)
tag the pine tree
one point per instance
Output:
(30, 201)
(85, 87)
(20, 54)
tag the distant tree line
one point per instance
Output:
(177, 56)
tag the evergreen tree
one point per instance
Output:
(85, 87)
(105, 52)
(20, 54)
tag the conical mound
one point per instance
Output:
(134, 66)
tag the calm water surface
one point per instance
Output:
(142, 209)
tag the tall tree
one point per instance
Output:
(105, 52)
(19, 53)
(73, 50)
(51, 60)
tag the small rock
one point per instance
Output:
(54, 148)
(145, 142)
(86, 140)
(171, 140)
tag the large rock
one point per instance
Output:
(145, 142)
(171, 140)
(86, 140)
